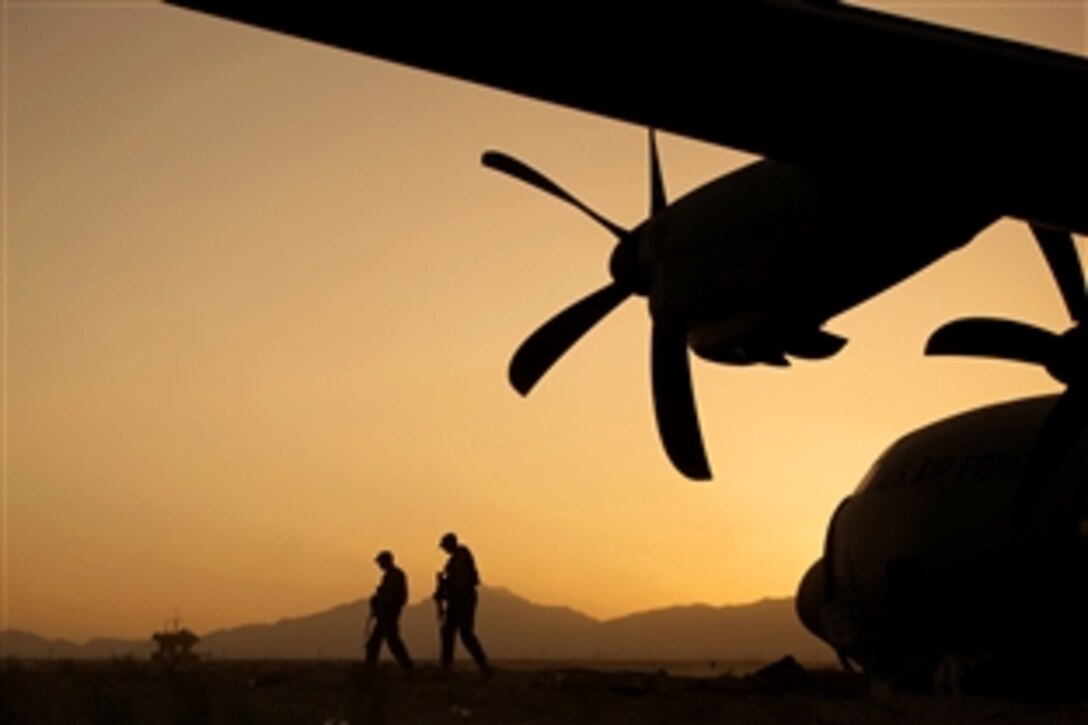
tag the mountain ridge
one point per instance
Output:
(509, 626)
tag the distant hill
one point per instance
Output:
(17, 643)
(509, 627)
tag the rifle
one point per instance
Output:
(369, 628)
(440, 596)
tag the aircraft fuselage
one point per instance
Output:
(924, 561)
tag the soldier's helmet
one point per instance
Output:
(384, 557)
(448, 540)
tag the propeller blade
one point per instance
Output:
(547, 344)
(509, 165)
(1061, 255)
(657, 181)
(1061, 430)
(987, 337)
(674, 402)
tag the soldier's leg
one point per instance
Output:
(467, 627)
(472, 644)
(396, 645)
(374, 644)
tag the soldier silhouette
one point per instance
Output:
(456, 598)
(385, 606)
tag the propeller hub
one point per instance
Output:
(1067, 365)
(626, 268)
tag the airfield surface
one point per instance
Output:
(340, 693)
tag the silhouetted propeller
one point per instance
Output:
(674, 400)
(1064, 356)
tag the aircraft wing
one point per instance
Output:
(813, 83)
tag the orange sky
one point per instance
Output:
(260, 297)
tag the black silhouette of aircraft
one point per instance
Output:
(965, 547)
(888, 143)
(932, 574)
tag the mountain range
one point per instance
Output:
(510, 627)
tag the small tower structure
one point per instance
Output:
(175, 647)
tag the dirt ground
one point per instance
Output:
(341, 693)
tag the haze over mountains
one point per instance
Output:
(509, 627)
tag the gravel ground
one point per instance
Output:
(341, 693)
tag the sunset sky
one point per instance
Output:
(260, 296)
